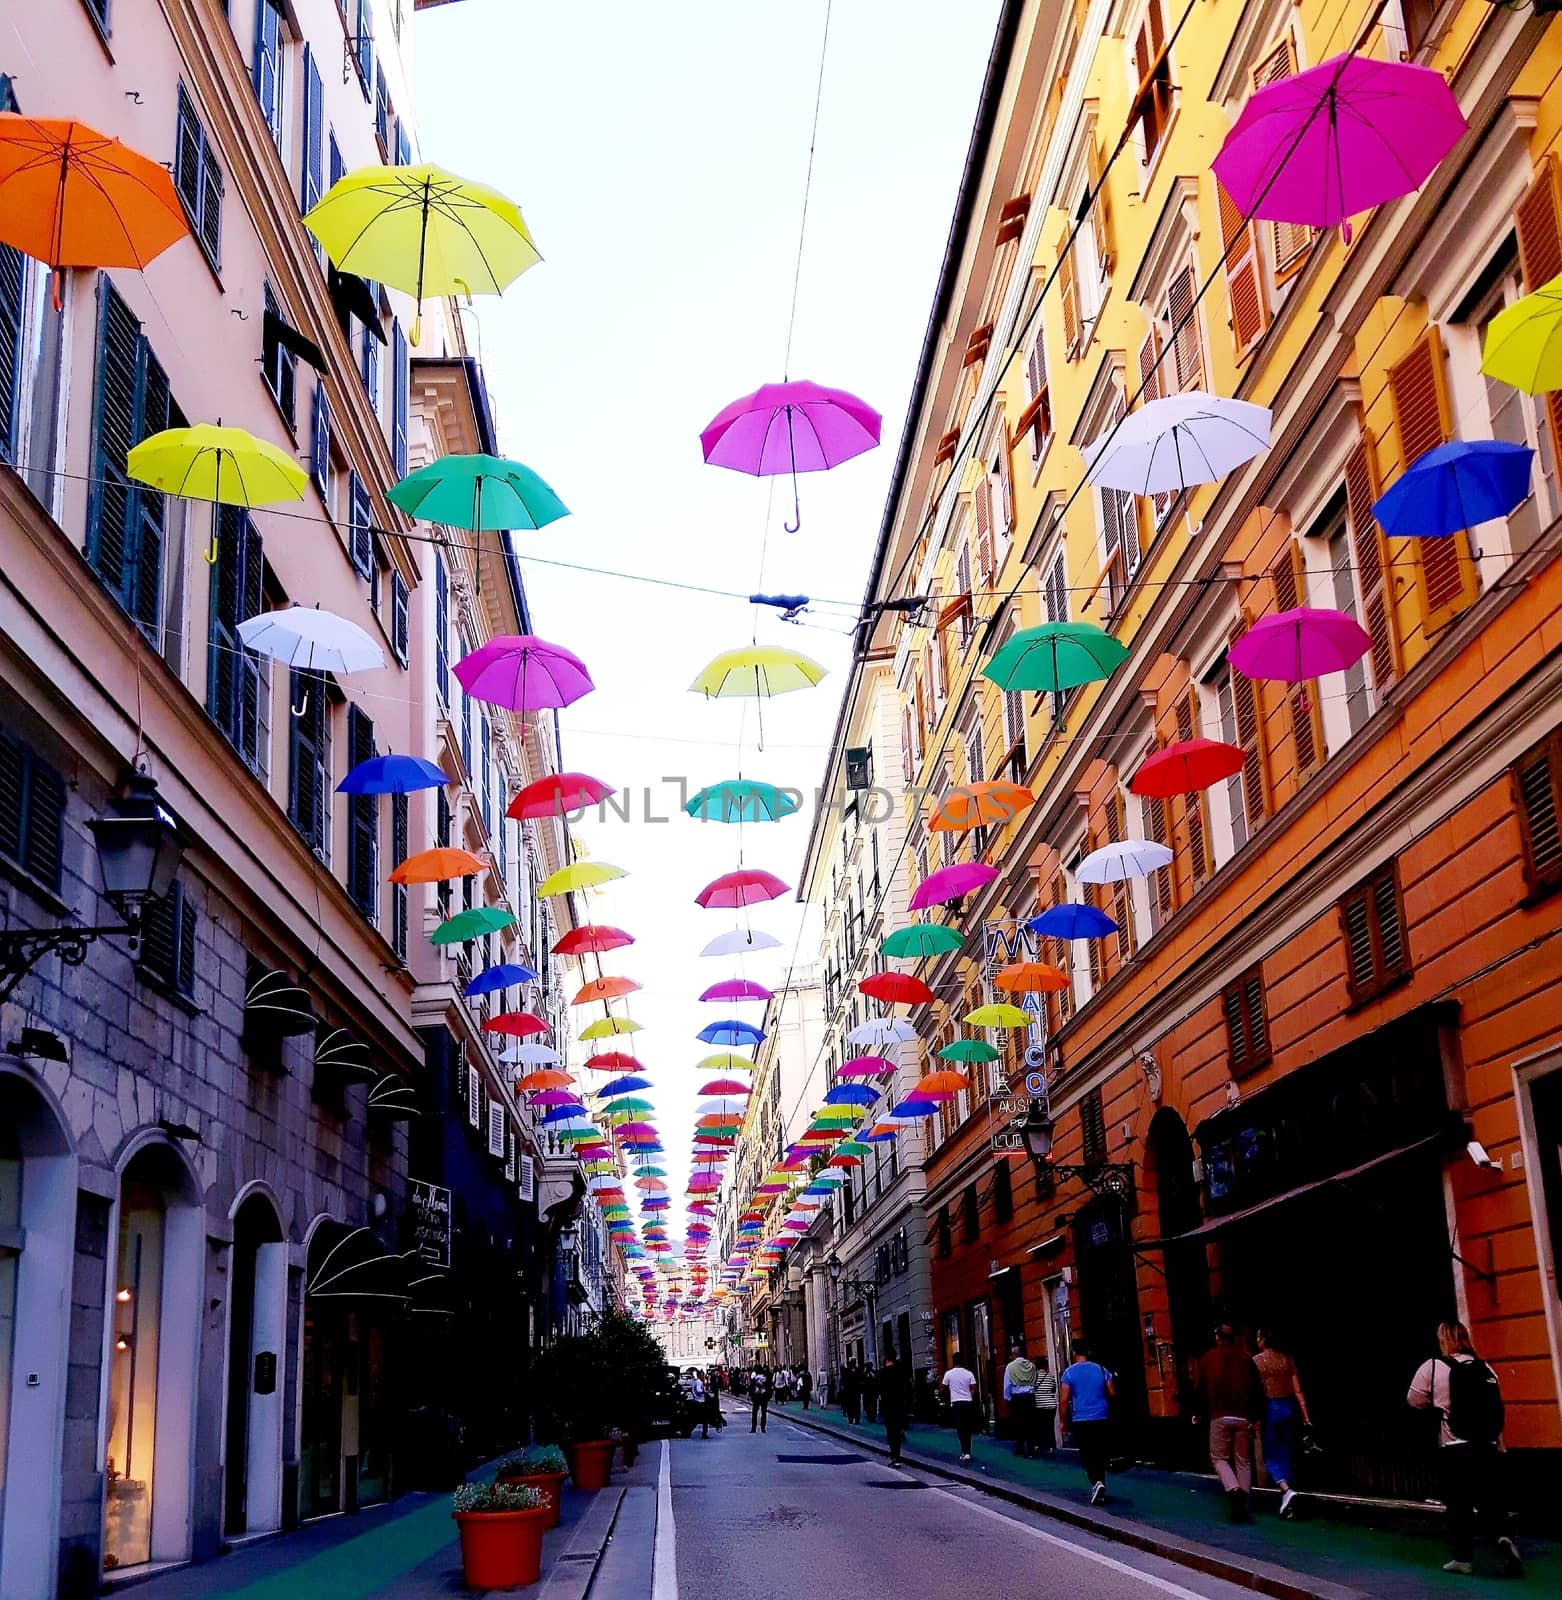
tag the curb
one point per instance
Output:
(1263, 1577)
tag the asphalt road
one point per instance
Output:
(792, 1511)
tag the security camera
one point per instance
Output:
(1477, 1153)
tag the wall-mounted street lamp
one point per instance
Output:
(139, 851)
(1115, 1178)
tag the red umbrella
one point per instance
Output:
(1185, 768)
(558, 795)
(742, 888)
(518, 1024)
(594, 937)
(614, 1061)
(896, 988)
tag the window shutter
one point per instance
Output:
(307, 757)
(1367, 546)
(1244, 701)
(982, 504)
(1100, 207)
(362, 818)
(381, 109)
(474, 1097)
(1372, 919)
(399, 624)
(361, 520)
(184, 968)
(156, 415)
(267, 64)
(364, 54)
(1182, 310)
(1092, 1129)
(1244, 274)
(527, 1184)
(441, 631)
(403, 144)
(1036, 363)
(314, 129)
(1236, 1031)
(399, 848)
(43, 831)
(1535, 221)
(13, 272)
(1163, 889)
(1068, 293)
(1253, 1012)
(1150, 382)
(1004, 482)
(187, 157)
(1193, 805)
(320, 444)
(111, 534)
(1358, 942)
(13, 780)
(400, 387)
(1538, 786)
(1289, 242)
(158, 955)
(496, 1129)
(1306, 732)
(1122, 907)
(442, 819)
(907, 770)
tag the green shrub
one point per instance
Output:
(589, 1385)
(534, 1459)
(497, 1497)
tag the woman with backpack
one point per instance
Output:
(1458, 1385)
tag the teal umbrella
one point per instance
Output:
(923, 939)
(478, 492)
(741, 800)
(1057, 655)
(465, 926)
(968, 1050)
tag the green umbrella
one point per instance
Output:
(853, 1147)
(923, 939)
(969, 1050)
(742, 800)
(1057, 655)
(473, 924)
(478, 492)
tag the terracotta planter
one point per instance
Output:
(547, 1484)
(501, 1549)
(590, 1463)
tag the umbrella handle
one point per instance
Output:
(791, 444)
(210, 552)
(300, 710)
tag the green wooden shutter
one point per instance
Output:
(399, 847)
(12, 786)
(110, 510)
(184, 971)
(13, 275)
(362, 818)
(308, 757)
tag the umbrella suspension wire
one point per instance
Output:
(797, 510)
(802, 230)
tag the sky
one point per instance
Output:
(659, 155)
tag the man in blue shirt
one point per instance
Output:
(1084, 1394)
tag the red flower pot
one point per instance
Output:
(547, 1484)
(590, 1463)
(501, 1549)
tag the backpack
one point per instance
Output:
(1475, 1412)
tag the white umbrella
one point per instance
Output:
(1172, 444)
(316, 641)
(882, 1031)
(1132, 858)
(531, 1055)
(741, 941)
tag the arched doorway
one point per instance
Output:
(37, 1243)
(153, 1344)
(257, 1332)
(1109, 1305)
(1187, 1265)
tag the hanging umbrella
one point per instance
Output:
(609, 1027)
(724, 1061)
(1129, 858)
(866, 1067)
(543, 1078)
(1000, 1015)
(439, 865)
(605, 989)
(730, 1032)
(951, 883)
(465, 926)
(896, 989)
(1072, 921)
(1031, 977)
(531, 1054)
(851, 1094)
(558, 796)
(478, 493)
(1186, 768)
(737, 989)
(911, 1108)
(592, 937)
(422, 230)
(990, 803)
(1456, 485)
(310, 640)
(1290, 646)
(551, 1099)
(1344, 136)
(790, 427)
(1524, 341)
(388, 774)
(727, 1087)
(578, 875)
(73, 197)
(941, 1084)
(741, 941)
(521, 672)
(968, 1050)
(624, 1085)
(756, 672)
(740, 800)
(881, 1132)
(744, 887)
(517, 1024)
(1054, 656)
(504, 976)
(1170, 444)
(923, 939)
(882, 1031)
(615, 1061)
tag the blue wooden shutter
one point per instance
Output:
(403, 144)
(211, 201)
(399, 890)
(314, 126)
(111, 510)
(267, 66)
(187, 157)
(32, 811)
(320, 443)
(365, 49)
(369, 366)
(382, 109)
(362, 819)
(401, 381)
(399, 617)
(13, 275)
(441, 631)
(338, 166)
(307, 758)
(361, 526)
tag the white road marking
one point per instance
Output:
(664, 1556)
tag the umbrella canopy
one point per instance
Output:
(1524, 342)
(999, 1015)
(1031, 977)
(543, 1078)
(604, 989)
(557, 796)
(923, 939)
(504, 976)
(1170, 444)
(968, 1050)
(609, 1027)
(473, 924)
(438, 866)
(388, 774)
(579, 875)
(1306, 642)
(990, 803)
(614, 1061)
(524, 673)
(1055, 655)
(745, 887)
(727, 1087)
(627, 1084)
(1337, 139)
(531, 1054)
(1129, 858)
(755, 672)
(951, 883)
(422, 230)
(941, 1083)
(1072, 921)
(321, 641)
(225, 465)
(730, 1032)
(478, 493)
(1457, 485)
(882, 1031)
(553, 1098)
(851, 1094)
(865, 1067)
(741, 941)
(742, 800)
(737, 989)
(1186, 767)
(517, 1024)
(724, 1061)
(896, 989)
(592, 937)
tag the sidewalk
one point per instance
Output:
(408, 1550)
(1183, 1518)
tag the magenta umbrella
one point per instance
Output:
(790, 427)
(865, 1067)
(742, 888)
(736, 989)
(949, 883)
(1292, 646)
(524, 673)
(1341, 137)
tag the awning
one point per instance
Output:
(431, 1289)
(393, 1098)
(347, 1263)
(275, 1005)
(276, 331)
(352, 297)
(340, 1052)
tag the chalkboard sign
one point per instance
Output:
(429, 1219)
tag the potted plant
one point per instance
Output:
(541, 1467)
(501, 1528)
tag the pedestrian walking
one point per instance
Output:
(699, 1403)
(805, 1385)
(1019, 1393)
(1046, 1408)
(1229, 1398)
(851, 1392)
(1084, 1408)
(894, 1401)
(961, 1383)
(1465, 1393)
(870, 1393)
(1285, 1414)
(759, 1400)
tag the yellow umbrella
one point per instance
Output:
(1524, 343)
(606, 1027)
(579, 875)
(756, 671)
(424, 231)
(724, 1061)
(999, 1016)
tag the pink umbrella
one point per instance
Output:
(554, 1097)
(949, 883)
(1341, 137)
(1292, 646)
(865, 1067)
(790, 427)
(524, 673)
(736, 989)
(745, 887)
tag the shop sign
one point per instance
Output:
(429, 1210)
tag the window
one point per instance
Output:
(13, 278)
(32, 812)
(1377, 954)
(1343, 596)
(320, 445)
(236, 680)
(309, 760)
(403, 144)
(313, 179)
(1151, 112)
(1247, 1023)
(1036, 419)
(1092, 1129)
(441, 631)
(1003, 1191)
(496, 1129)
(363, 821)
(31, 374)
(267, 68)
(363, 48)
(400, 386)
(360, 517)
(1084, 249)
(945, 1239)
(399, 846)
(382, 112)
(1371, 562)
(1537, 780)
(99, 10)
(198, 178)
(278, 364)
(126, 522)
(399, 600)
(167, 953)
(1302, 700)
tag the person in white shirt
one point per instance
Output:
(697, 1402)
(961, 1384)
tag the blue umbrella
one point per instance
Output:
(851, 1094)
(731, 1032)
(1457, 485)
(1070, 921)
(912, 1107)
(881, 1138)
(574, 1113)
(392, 775)
(625, 1085)
(500, 977)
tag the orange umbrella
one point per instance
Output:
(73, 197)
(604, 989)
(546, 1078)
(941, 1083)
(978, 805)
(1031, 977)
(435, 866)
